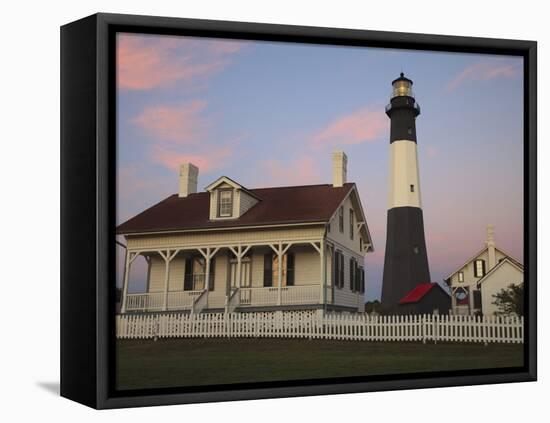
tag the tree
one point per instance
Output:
(371, 306)
(510, 300)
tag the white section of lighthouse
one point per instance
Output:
(404, 178)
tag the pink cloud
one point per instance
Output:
(181, 124)
(145, 62)
(215, 158)
(432, 152)
(300, 171)
(483, 71)
(365, 124)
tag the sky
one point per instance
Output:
(271, 113)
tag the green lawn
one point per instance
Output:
(188, 362)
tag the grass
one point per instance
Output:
(189, 362)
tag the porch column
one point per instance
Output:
(322, 269)
(128, 260)
(167, 259)
(239, 263)
(280, 274)
(323, 274)
(207, 253)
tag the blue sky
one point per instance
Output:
(270, 114)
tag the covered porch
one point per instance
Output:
(230, 277)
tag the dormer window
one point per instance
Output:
(225, 203)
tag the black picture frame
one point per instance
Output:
(88, 105)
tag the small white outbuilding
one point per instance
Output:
(474, 284)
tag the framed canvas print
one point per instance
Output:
(254, 211)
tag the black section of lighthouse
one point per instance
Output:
(406, 259)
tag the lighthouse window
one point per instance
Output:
(412, 188)
(409, 130)
(416, 249)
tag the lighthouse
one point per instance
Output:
(406, 259)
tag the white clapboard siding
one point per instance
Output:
(309, 324)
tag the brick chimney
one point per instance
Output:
(491, 246)
(339, 168)
(189, 175)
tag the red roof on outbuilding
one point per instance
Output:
(417, 293)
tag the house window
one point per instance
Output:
(341, 219)
(479, 268)
(271, 270)
(461, 276)
(195, 274)
(328, 227)
(225, 203)
(412, 188)
(351, 223)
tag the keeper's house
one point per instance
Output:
(230, 248)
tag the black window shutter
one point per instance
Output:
(356, 277)
(212, 276)
(290, 269)
(188, 278)
(362, 281)
(341, 270)
(482, 267)
(477, 298)
(335, 268)
(268, 269)
(351, 275)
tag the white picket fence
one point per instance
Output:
(308, 324)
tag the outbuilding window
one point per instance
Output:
(479, 268)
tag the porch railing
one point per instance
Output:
(145, 302)
(242, 297)
(154, 301)
(268, 296)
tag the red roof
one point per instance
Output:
(280, 205)
(417, 293)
